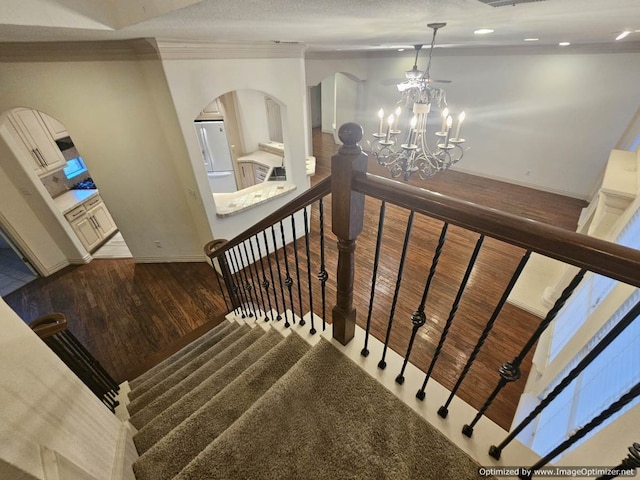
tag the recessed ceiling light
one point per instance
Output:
(483, 31)
(531, 39)
(623, 35)
(401, 49)
(564, 44)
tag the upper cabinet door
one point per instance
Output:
(38, 140)
(56, 129)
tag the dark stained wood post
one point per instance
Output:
(347, 214)
(210, 250)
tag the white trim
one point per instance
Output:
(126, 454)
(55, 268)
(172, 259)
(171, 49)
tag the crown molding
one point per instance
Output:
(137, 49)
(579, 49)
(170, 49)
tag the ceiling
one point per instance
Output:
(323, 25)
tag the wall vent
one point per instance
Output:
(504, 3)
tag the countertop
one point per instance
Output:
(263, 158)
(72, 198)
(228, 204)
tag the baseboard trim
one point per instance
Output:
(175, 259)
(50, 270)
(126, 454)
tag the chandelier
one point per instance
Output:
(405, 154)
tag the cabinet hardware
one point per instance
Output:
(97, 223)
(44, 161)
(35, 155)
(93, 222)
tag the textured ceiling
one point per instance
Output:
(322, 24)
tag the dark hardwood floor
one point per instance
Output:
(127, 313)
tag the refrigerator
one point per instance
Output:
(216, 155)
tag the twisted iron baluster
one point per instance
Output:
(443, 411)
(257, 277)
(323, 276)
(250, 278)
(245, 285)
(237, 287)
(382, 364)
(284, 302)
(308, 251)
(418, 319)
(224, 297)
(295, 253)
(374, 275)
(510, 371)
(452, 314)
(631, 462)
(594, 423)
(571, 376)
(265, 282)
(275, 295)
(288, 281)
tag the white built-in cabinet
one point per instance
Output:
(56, 128)
(41, 151)
(252, 173)
(92, 222)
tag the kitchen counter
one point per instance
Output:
(72, 198)
(228, 204)
(262, 158)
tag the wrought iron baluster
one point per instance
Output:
(630, 462)
(265, 283)
(631, 315)
(418, 319)
(88, 358)
(308, 252)
(239, 269)
(382, 364)
(452, 314)
(295, 253)
(593, 423)
(284, 302)
(443, 411)
(234, 286)
(255, 290)
(249, 285)
(510, 371)
(374, 275)
(288, 281)
(323, 276)
(215, 273)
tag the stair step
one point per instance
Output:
(148, 379)
(176, 449)
(170, 410)
(176, 377)
(327, 418)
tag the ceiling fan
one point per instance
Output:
(414, 76)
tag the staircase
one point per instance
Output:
(253, 399)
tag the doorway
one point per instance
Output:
(15, 269)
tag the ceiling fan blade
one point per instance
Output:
(440, 81)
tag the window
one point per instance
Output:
(75, 167)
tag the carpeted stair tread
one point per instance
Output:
(326, 419)
(166, 383)
(170, 410)
(203, 344)
(176, 449)
(139, 380)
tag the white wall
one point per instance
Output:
(557, 116)
(120, 117)
(194, 82)
(346, 107)
(328, 104)
(44, 405)
(252, 111)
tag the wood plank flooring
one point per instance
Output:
(126, 313)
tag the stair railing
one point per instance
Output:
(350, 185)
(53, 330)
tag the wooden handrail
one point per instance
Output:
(49, 324)
(606, 258)
(216, 248)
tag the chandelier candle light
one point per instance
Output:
(415, 155)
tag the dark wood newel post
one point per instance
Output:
(347, 213)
